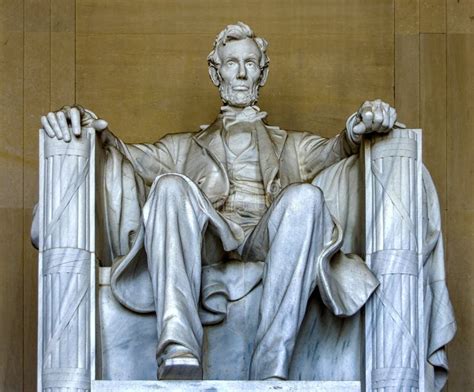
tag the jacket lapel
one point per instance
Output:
(278, 139)
(207, 163)
(211, 139)
(271, 141)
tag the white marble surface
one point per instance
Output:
(227, 386)
(394, 325)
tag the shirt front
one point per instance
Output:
(246, 202)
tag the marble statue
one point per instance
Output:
(198, 220)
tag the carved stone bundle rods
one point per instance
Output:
(394, 315)
(66, 253)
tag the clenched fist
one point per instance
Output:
(373, 116)
(69, 119)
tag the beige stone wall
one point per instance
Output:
(141, 65)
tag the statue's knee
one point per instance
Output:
(169, 191)
(171, 185)
(303, 197)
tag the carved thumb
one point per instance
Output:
(99, 125)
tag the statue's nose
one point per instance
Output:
(242, 71)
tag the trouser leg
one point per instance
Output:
(295, 231)
(176, 216)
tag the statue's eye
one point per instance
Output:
(230, 63)
(251, 64)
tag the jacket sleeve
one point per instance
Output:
(150, 159)
(316, 153)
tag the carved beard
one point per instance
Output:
(238, 98)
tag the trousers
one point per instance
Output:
(184, 233)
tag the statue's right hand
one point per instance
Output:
(70, 118)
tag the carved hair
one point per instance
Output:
(237, 32)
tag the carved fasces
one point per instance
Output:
(394, 315)
(66, 230)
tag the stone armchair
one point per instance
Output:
(89, 342)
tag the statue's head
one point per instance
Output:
(238, 65)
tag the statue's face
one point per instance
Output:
(239, 72)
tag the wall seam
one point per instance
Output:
(446, 226)
(75, 52)
(50, 53)
(23, 202)
(394, 52)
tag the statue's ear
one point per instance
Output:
(264, 76)
(214, 75)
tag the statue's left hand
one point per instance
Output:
(373, 116)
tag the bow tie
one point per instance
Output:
(250, 114)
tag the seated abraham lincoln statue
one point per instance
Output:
(209, 215)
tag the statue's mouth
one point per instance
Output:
(240, 88)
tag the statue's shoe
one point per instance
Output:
(178, 366)
(274, 378)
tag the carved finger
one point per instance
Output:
(386, 116)
(378, 119)
(393, 117)
(54, 124)
(99, 125)
(49, 129)
(367, 117)
(64, 127)
(66, 110)
(50, 133)
(359, 129)
(75, 121)
(364, 107)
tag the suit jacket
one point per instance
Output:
(285, 157)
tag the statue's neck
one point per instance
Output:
(234, 109)
(228, 110)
